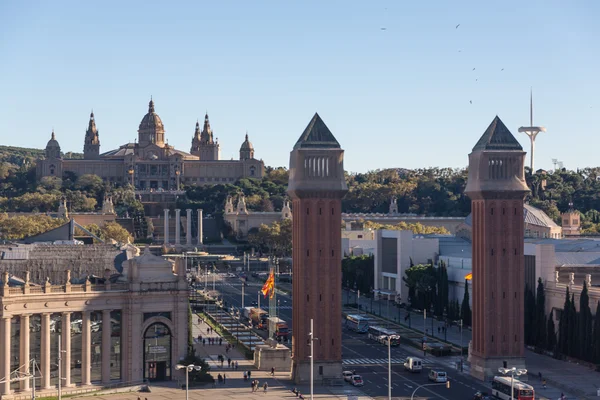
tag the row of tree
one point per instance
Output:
(578, 333)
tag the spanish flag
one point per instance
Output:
(269, 286)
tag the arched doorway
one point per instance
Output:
(157, 352)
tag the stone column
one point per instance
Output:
(45, 351)
(86, 349)
(177, 226)
(166, 222)
(188, 223)
(106, 331)
(5, 364)
(200, 233)
(24, 351)
(66, 348)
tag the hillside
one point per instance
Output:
(19, 156)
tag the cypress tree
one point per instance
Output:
(572, 347)
(550, 334)
(563, 331)
(465, 311)
(540, 316)
(527, 314)
(596, 338)
(584, 324)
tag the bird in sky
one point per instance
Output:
(471, 101)
(457, 26)
(460, 51)
(383, 29)
(502, 69)
(473, 69)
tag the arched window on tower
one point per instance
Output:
(252, 171)
(52, 168)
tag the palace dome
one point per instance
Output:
(151, 121)
(246, 145)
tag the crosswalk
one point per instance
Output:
(374, 361)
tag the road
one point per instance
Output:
(369, 358)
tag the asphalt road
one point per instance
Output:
(369, 358)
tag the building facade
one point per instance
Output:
(496, 185)
(126, 330)
(242, 220)
(151, 163)
(316, 186)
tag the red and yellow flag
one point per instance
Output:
(269, 286)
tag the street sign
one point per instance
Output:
(157, 349)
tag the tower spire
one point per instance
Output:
(531, 106)
(531, 130)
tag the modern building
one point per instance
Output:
(316, 186)
(128, 327)
(151, 163)
(497, 188)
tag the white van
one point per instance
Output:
(413, 364)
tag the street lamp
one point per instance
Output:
(512, 371)
(130, 172)
(312, 359)
(429, 384)
(177, 173)
(188, 368)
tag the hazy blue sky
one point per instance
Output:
(398, 97)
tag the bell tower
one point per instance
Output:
(496, 185)
(91, 146)
(316, 187)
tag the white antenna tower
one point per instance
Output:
(554, 162)
(531, 131)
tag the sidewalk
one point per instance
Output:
(574, 380)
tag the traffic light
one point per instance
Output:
(448, 384)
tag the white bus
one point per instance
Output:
(501, 389)
(381, 335)
(357, 323)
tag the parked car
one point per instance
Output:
(357, 380)
(347, 375)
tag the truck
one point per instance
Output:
(259, 317)
(280, 328)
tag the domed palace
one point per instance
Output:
(150, 164)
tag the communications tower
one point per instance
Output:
(531, 130)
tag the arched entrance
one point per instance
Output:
(157, 352)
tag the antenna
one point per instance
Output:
(554, 162)
(531, 130)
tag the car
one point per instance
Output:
(347, 375)
(357, 380)
(482, 396)
(438, 376)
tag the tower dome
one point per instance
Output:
(53, 148)
(246, 150)
(151, 128)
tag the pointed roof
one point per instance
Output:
(497, 137)
(316, 135)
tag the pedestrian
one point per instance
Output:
(224, 378)
(562, 396)
(220, 341)
(272, 371)
(252, 386)
(249, 374)
(203, 342)
(220, 378)
(265, 387)
(207, 331)
(229, 362)
(198, 320)
(245, 376)
(544, 383)
(540, 375)
(237, 365)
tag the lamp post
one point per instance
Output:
(60, 351)
(130, 172)
(429, 384)
(389, 340)
(512, 371)
(312, 359)
(187, 368)
(461, 346)
(177, 173)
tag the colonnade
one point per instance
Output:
(45, 350)
(188, 232)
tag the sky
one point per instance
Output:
(396, 82)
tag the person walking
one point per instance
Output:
(272, 371)
(265, 387)
(544, 383)
(229, 362)
(540, 375)
(237, 365)
(224, 378)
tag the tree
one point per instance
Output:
(442, 289)
(275, 238)
(585, 325)
(422, 279)
(572, 349)
(530, 315)
(550, 334)
(114, 231)
(596, 338)
(359, 272)
(563, 329)
(540, 316)
(465, 309)
(19, 227)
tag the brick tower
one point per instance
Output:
(316, 186)
(497, 187)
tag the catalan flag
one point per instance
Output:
(469, 276)
(269, 286)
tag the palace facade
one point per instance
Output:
(151, 163)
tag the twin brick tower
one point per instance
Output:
(496, 185)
